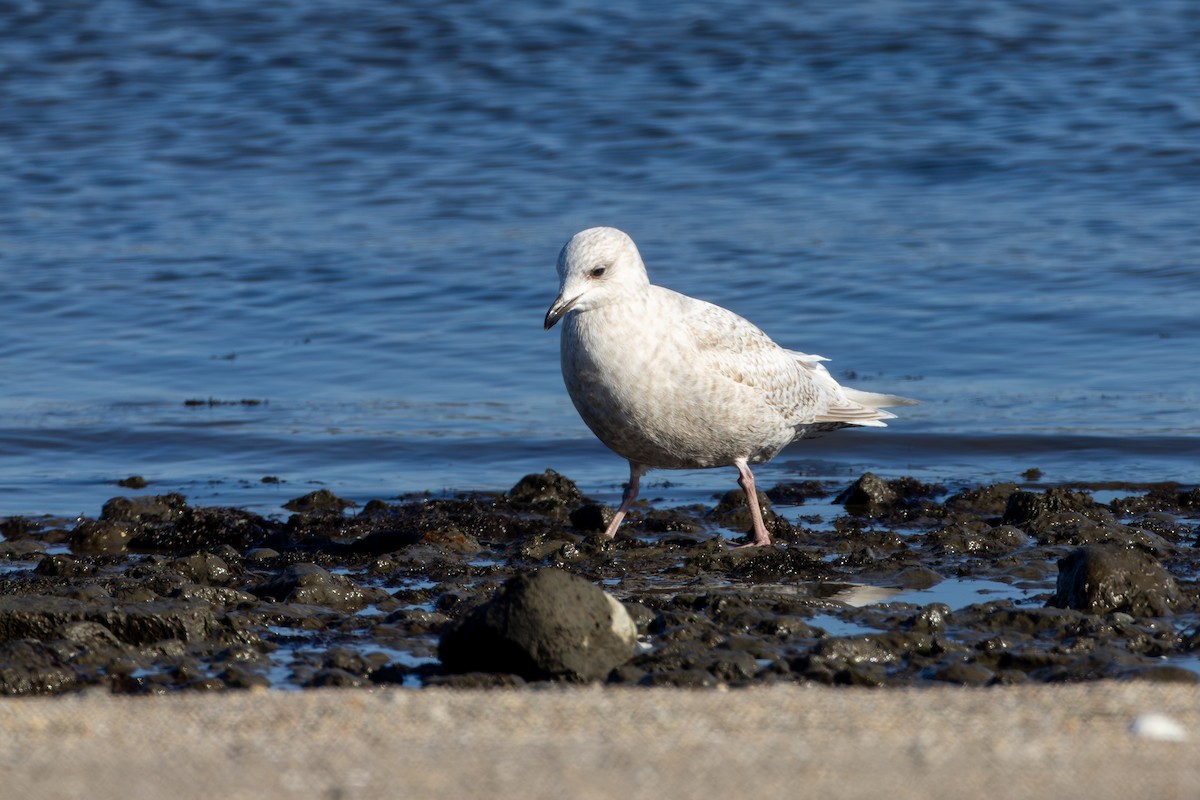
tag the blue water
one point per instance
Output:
(352, 212)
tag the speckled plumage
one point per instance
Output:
(669, 381)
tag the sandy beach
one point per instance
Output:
(787, 741)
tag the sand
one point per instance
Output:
(786, 741)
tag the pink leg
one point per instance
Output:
(746, 481)
(630, 494)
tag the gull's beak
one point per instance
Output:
(559, 309)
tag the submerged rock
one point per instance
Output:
(544, 624)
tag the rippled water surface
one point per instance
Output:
(351, 215)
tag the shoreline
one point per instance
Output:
(888, 583)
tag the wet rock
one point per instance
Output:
(733, 513)
(965, 674)
(917, 578)
(978, 538)
(101, 537)
(336, 678)
(1025, 507)
(592, 517)
(1164, 525)
(930, 619)
(12, 528)
(140, 623)
(545, 624)
(166, 523)
(985, 501)
(1103, 579)
(204, 568)
(310, 584)
(452, 540)
(32, 668)
(133, 482)
(21, 549)
(88, 634)
(157, 509)
(1161, 497)
(870, 495)
(761, 563)
(796, 493)
(216, 596)
(322, 501)
(546, 492)
(476, 680)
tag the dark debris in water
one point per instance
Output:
(895, 583)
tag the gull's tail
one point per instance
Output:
(863, 408)
(850, 406)
(877, 400)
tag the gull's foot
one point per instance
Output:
(755, 543)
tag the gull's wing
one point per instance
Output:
(796, 384)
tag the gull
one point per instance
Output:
(671, 382)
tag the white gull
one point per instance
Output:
(671, 382)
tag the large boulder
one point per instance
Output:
(542, 625)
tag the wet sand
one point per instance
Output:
(783, 741)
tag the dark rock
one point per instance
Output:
(166, 523)
(12, 528)
(32, 668)
(310, 584)
(987, 500)
(965, 674)
(336, 678)
(204, 568)
(322, 501)
(1102, 579)
(978, 538)
(870, 495)
(733, 513)
(771, 563)
(545, 624)
(917, 578)
(101, 537)
(216, 596)
(136, 623)
(1025, 507)
(592, 517)
(796, 493)
(157, 509)
(476, 680)
(133, 482)
(21, 549)
(546, 491)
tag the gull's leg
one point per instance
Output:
(631, 492)
(746, 481)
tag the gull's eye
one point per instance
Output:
(598, 272)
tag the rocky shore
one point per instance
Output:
(155, 595)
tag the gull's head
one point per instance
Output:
(598, 266)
